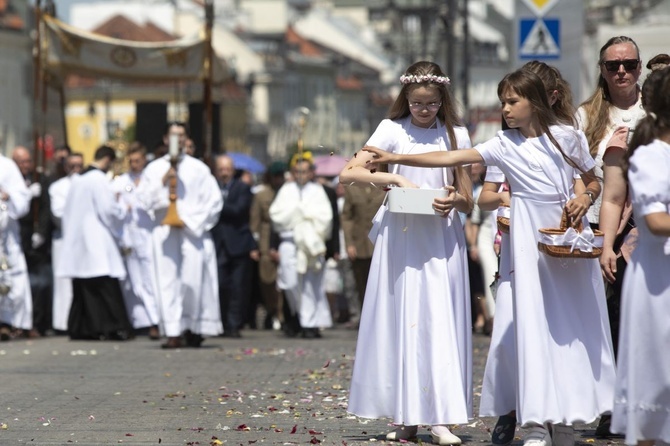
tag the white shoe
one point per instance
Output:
(537, 436)
(443, 436)
(402, 433)
(562, 435)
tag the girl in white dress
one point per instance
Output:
(642, 402)
(499, 383)
(564, 364)
(414, 352)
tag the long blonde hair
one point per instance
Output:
(597, 107)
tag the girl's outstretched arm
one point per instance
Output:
(358, 170)
(440, 158)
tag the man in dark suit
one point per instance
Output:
(234, 242)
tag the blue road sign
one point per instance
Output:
(539, 38)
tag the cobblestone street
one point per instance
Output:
(261, 389)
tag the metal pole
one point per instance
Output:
(37, 76)
(207, 83)
(466, 64)
(450, 37)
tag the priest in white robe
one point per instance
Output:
(184, 252)
(58, 190)
(139, 286)
(302, 215)
(15, 296)
(91, 255)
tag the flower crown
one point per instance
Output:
(417, 79)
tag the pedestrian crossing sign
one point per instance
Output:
(539, 39)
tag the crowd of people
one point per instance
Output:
(576, 334)
(181, 250)
(177, 249)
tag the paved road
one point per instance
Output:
(261, 389)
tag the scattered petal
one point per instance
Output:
(295, 428)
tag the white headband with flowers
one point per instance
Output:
(416, 79)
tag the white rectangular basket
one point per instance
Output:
(414, 201)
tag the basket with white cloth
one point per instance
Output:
(502, 218)
(573, 242)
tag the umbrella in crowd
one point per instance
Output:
(246, 162)
(329, 165)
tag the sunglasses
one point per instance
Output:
(628, 64)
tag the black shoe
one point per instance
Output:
(503, 432)
(311, 333)
(232, 333)
(192, 339)
(603, 429)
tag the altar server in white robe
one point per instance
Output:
(15, 297)
(302, 215)
(91, 256)
(58, 190)
(139, 287)
(188, 289)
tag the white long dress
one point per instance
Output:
(564, 352)
(62, 298)
(139, 287)
(186, 271)
(499, 384)
(642, 403)
(414, 350)
(16, 307)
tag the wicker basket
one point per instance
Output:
(502, 218)
(565, 250)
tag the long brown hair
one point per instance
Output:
(446, 114)
(553, 81)
(597, 107)
(529, 85)
(656, 102)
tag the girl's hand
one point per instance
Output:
(577, 208)
(445, 205)
(401, 181)
(608, 264)
(379, 156)
(505, 198)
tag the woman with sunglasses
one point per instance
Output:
(414, 351)
(614, 108)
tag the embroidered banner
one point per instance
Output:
(70, 50)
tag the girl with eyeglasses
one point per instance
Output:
(414, 351)
(615, 107)
(563, 362)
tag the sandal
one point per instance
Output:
(503, 432)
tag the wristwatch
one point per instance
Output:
(590, 194)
